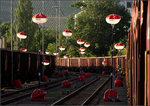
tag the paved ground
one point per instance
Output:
(122, 96)
(53, 94)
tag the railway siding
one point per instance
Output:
(81, 95)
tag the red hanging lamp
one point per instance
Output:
(86, 44)
(80, 41)
(39, 18)
(23, 49)
(65, 56)
(82, 52)
(22, 35)
(45, 62)
(104, 63)
(82, 49)
(46, 52)
(67, 33)
(119, 46)
(41, 52)
(55, 53)
(62, 48)
(113, 19)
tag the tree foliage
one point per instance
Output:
(23, 23)
(5, 26)
(5, 31)
(90, 25)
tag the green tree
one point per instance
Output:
(4, 27)
(90, 25)
(23, 23)
(5, 31)
(49, 35)
(70, 23)
(51, 48)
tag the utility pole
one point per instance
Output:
(56, 7)
(59, 32)
(43, 5)
(12, 42)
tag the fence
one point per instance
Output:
(53, 9)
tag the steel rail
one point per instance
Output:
(21, 96)
(62, 100)
(29, 88)
(95, 93)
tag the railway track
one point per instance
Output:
(25, 89)
(18, 95)
(84, 94)
(99, 97)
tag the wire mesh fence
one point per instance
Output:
(57, 11)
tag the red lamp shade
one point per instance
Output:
(119, 46)
(118, 83)
(45, 62)
(113, 19)
(110, 94)
(86, 44)
(65, 72)
(82, 52)
(81, 78)
(80, 41)
(65, 56)
(41, 52)
(66, 84)
(21, 35)
(88, 75)
(45, 78)
(17, 84)
(104, 73)
(62, 48)
(82, 49)
(46, 52)
(23, 49)
(67, 33)
(55, 53)
(39, 18)
(38, 95)
(104, 63)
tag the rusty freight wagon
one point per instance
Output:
(138, 57)
(92, 63)
(25, 66)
